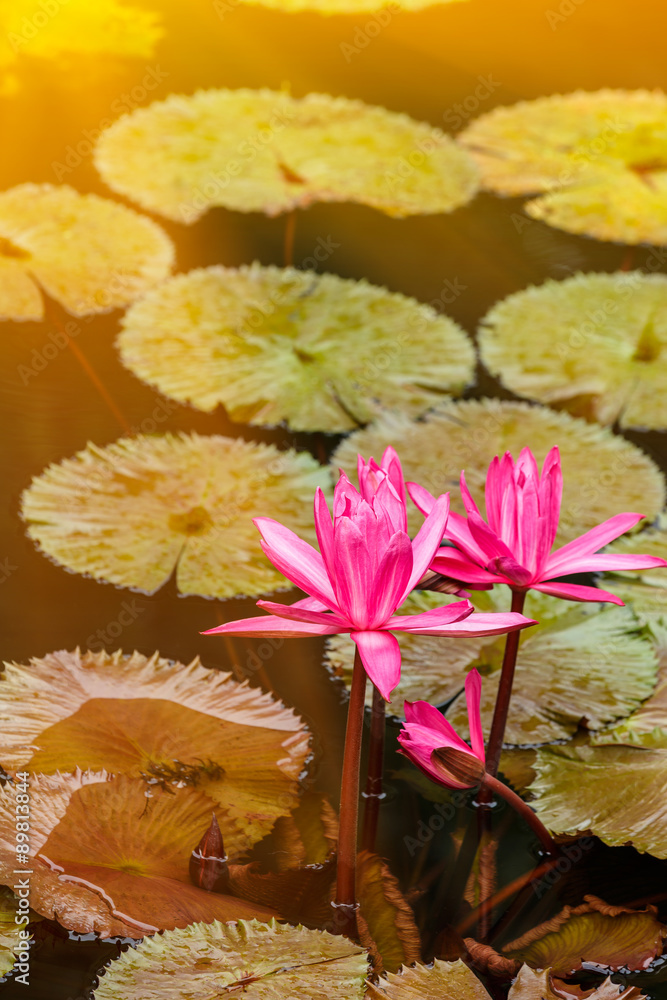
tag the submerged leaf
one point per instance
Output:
(316, 351)
(600, 158)
(610, 936)
(265, 151)
(579, 665)
(160, 720)
(617, 792)
(118, 848)
(263, 961)
(308, 835)
(594, 344)
(602, 473)
(138, 510)
(386, 921)
(441, 981)
(88, 253)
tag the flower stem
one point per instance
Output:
(373, 793)
(346, 898)
(498, 788)
(495, 743)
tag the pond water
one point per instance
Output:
(423, 64)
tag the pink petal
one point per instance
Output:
(473, 701)
(493, 494)
(476, 625)
(296, 559)
(468, 502)
(269, 625)
(324, 530)
(427, 542)
(576, 592)
(391, 463)
(434, 735)
(450, 562)
(591, 541)
(391, 579)
(421, 758)
(458, 531)
(421, 498)
(300, 614)
(381, 657)
(608, 562)
(445, 615)
(354, 572)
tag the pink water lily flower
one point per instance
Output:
(366, 567)
(513, 545)
(425, 734)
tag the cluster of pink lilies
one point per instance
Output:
(367, 565)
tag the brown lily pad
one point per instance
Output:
(542, 985)
(441, 981)
(166, 722)
(105, 838)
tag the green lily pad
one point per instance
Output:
(144, 508)
(88, 253)
(262, 961)
(600, 159)
(579, 666)
(266, 151)
(594, 344)
(611, 936)
(273, 345)
(602, 473)
(617, 792)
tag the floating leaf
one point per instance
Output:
(617, 792)
(302, 895)
(158, 719)
(107, 839)
(262, 961)
(580, 664)
(611, 936)
(441, 981)
(645, 591)
(88, 253)
(138, 510)
(602, 473)
(316, 351)
(532, 985)
(77, 29)
(594, 344)
(600, 158)
(265, 151)
(648, 725)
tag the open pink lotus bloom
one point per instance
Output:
(366, 567)
(514, 544)
(425, 732)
